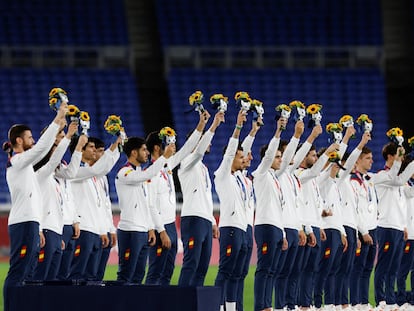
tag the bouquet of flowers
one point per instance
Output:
(335, 132)
(364, 123)
(335, 157)
(346, 120)
(395, 134)
(283, 111)
(113, 126)
(219, 102)
(410, 142)
(299, 109)
(243, 100)
(85, 122)
(314, 110)
(196, 101)
(258, 110)
(73, 115)
(56, 97)
(167, 136)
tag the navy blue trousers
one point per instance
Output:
(67, 254)
(88, 248)
(24, 246)
(361, 272)
(390, 251)
(286, 262)
(49, 257)
(233, 251)
(197, 238)
(132, 256)
(162, 261)
(269, 240)
(311, 259)
(346, 266)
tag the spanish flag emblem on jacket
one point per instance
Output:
(386, 247)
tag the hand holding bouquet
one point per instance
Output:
(258, 111)
(167, 136)
(56, 97)
(335, 132)
(314, 110)
(113, 126)
(219, 102)
(299, 109)
(196, 101)
(283, 111)
(243, 101)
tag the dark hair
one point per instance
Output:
(45, 159)
(321, 151)
(133, 143)
(7, 147)
(74, 141)
(282, 145)
(408, 158)
(365, 150)
(153, 140)
(16, 131)
(263, 150)
(99, 143)
(389, 149)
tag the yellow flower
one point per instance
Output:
(196, 97)
(297, 104)
(395, 131)
(112, 119)
(345, 118)
(283, 107)
(166, 131)
(113, 129)
(363, 118)
(216, 97)
(256, 102)
(84, 116)
(411, 141)
(333, 127)
(242, 95)
(313, 108)
(113, 124)
(55, 91)
(73, 111)
(334, 156)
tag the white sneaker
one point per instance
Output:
(381, 306)
(230, 306)
(330, 307)
(393, 307)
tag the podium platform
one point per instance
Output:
(113, 297)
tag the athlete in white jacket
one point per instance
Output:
(26, 198)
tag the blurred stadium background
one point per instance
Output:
(142, 59)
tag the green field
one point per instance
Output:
(110, 274)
